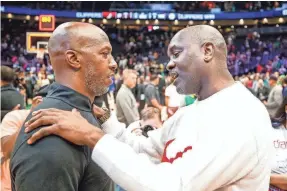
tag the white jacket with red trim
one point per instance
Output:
(222, 143)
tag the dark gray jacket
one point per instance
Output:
(54, 164)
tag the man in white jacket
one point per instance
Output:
(215, 144)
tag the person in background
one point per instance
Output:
(140, 93)
(275, 96)
(152, 93)
(10, 127)
(11, 99)
(173, 100)
(262, 91)
(278, 178)
(127, 111)
(284, 85)
(150, 116)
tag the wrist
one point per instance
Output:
(93, 137)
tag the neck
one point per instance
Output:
(153, 82)
(77, 86)
(214, 83)
(3, 83)
(126, 85)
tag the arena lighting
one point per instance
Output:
(90, 20)
(146, 22)
(176, 22)
(241, 21)
(190, 22)
(9, 15)
(156, 22)
(245, 26)
(36, 18)
(118, 21)
(281, 20)
(211, 22)
(232, 27)
(265, 20)
(28, 17)
(105, 21)
(83, 20)
(138, 21)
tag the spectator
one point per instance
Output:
(278, 179)
(284, 84)
(275, 96)
(127, 111)
(152, 94)
(10, 127)
(262, 91)
(10, 97)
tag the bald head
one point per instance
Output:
(198, 57)
(75, 36)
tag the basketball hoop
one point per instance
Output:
(40, 53)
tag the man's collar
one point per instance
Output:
(69, 96)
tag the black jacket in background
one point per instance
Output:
(10, 97)
(53, 164)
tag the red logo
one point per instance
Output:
(109, 15)
(178, 154)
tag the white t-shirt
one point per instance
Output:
(222, 143)
(175, 98)
(279, 163)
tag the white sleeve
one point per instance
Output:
(152, 146)
(208, 166)
(167, 91)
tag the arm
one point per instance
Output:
(166, 100)
(198, 169)
(129, 112)
(155, 103)
(279, 180)
(278, 98)
(51, 164)
(152, 145)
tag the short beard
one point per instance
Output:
(94, 85)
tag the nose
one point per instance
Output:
(170, 65)
(113, 65)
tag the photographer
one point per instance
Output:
(150, 120)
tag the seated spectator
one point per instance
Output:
(11, 99)
(275, 96)
(278, 179)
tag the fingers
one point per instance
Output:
(45, 131)
(41, 119)
(98, 112)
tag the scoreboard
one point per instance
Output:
(46, 23)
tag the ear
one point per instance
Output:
(73, 59)
(208, 49)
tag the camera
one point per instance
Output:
(146, 129)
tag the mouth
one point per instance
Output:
(111, 75)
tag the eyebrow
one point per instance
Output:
(106, 48)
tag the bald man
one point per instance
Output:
(81, 57)
(217, 143)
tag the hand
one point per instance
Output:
(36, 101)
(69, 125)
(17, 107)
(98, 112)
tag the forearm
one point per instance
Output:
(278, 179)
(7, 144)
(155, 103)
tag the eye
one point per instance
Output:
(175, 55)
(105, 54)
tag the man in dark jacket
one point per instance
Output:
(81, 58)
(11, 99)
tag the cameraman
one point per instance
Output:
(150, 120)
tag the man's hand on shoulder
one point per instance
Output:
(69, 125)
